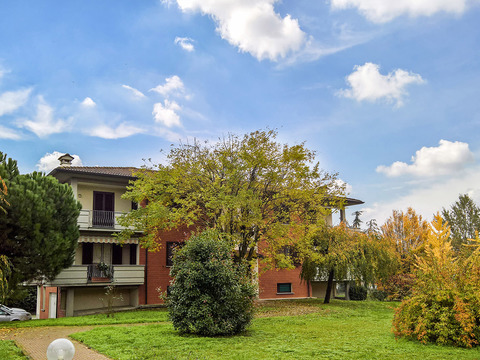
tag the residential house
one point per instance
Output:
(138, 275)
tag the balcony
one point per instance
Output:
(99, 219)
(91, 275)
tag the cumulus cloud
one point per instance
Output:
(166, 113)
(136, 93)
(381, 11)
(12, 100)
(366, 83)
(185, 43)
(50, 161)
(447, 158)
(121, 131)
(173, 86)
(251, 25)
(10, 134)
(43, 123)
(88, 103)
(427, 199)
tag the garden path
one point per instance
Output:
(34, 341)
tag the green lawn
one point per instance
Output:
(9, 351)
(127, 317)
(310, 330)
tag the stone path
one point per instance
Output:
(34, 341)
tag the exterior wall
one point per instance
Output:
(43, 296)
(268, 280)
(319, 289)
(91, 298)
(157, 273)
(85, 196)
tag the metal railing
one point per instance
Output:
(99, 271)
(102, 218)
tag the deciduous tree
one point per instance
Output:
(250, 188)
(343, 253)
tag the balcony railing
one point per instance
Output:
(99, 219)
(99, 271)
(87, 275)
(104, 219)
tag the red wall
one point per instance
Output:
(157, 273)
(268, 284)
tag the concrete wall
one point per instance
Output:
(319, 289)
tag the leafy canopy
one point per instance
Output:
(38, 231)
(347, 254)
(249, 188)
(464, 220)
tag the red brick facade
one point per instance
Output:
(157, 275)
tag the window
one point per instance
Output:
(87, 253)
(133, 254)
(103, 209)
(171, 246)
(284, 288)
(117, 254)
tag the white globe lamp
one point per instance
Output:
(60, 349)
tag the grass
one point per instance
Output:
(303, 329)
(9, 351)
(127, 317)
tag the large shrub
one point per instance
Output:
(444, 307)
(209, 294)
(357, 292)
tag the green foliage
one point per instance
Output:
(464, 220)
(27, 299)
(357, 292)
(209, 295)
(379, 295)
(445, 304)
(344, 253)
(249, 187)
(39, 230)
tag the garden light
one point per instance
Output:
(60, 349)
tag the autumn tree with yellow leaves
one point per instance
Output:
(444, 307)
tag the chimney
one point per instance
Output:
(66, 160)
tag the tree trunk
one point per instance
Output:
(329, 287)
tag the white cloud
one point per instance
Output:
(185, 43)
(121, 131)
(50, 161)
(173, 86)
(251, 25)
(6, 133)
(366, 83)
(426, 199)
(12, 100)
(166, 113)
(88, 103)
(381, 11)
(43, 123)
(136, 93)
(447, 158)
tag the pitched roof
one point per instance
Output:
(97, 170)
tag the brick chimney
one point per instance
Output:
(66, 160)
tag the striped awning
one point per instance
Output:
(105, 240)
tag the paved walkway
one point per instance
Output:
(34, 341)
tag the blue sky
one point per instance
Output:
(385, 92)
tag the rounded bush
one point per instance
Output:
(357, 292)
(209, 294)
